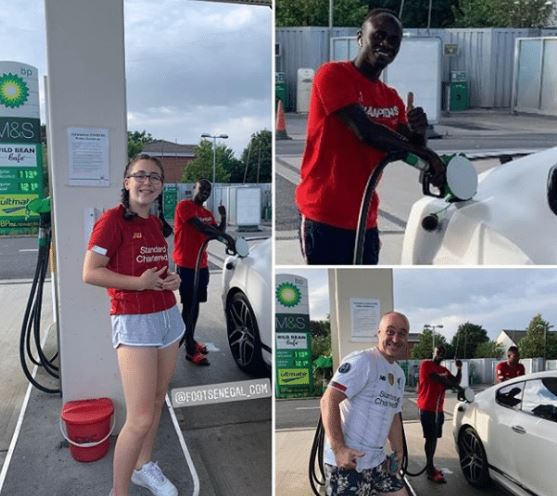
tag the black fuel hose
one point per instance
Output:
(195, 302)
(404, 464)
(316, 458)
(371, 185)
(31, 326)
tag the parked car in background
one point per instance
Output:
(512, 219)
(508, 434)
(247, 301)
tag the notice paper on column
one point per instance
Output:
(365, 314)
(88, 152)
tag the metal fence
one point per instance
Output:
(184, 191)
(486, 55)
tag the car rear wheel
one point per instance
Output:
(243, 335)
(473, 459)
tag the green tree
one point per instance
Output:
(136, 141)
(532, 345)
(502, 13)
(320, 337)
(320, 347)
(424, 347)
(551, 348)
(489, 349)
(467, 338)
(316, 12)
(415, 13)
(202, 165)
(257, 159)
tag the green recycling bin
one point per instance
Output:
(458, 96)
(280, 89)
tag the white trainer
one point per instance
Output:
(151, 477)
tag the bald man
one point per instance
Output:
(359, 412)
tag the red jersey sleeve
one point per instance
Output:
(106, 236)
(334, 88)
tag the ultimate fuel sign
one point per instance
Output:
(292, 337)
(21, 161)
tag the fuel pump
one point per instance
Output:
(460, 185)
(31, 326)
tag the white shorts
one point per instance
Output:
(158, 329)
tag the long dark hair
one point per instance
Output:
(125, 199)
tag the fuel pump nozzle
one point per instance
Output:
(461, 183)
(235, 246)
(41, 206)
(461, 178)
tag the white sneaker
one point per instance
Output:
(151, 477)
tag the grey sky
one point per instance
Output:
(191, 67)
(494, 298)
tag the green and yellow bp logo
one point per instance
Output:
(288, 294)
(13, 90)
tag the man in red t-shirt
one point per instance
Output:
(354, 120)
(433, 380)
(511, 367)
(193, 224)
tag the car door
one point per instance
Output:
(501, 446)
(536, 427)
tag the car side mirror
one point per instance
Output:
(552, 189)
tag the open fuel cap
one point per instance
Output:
(462, 178)
(242, 248)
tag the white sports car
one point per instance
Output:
(509, 434)
(247, 301)
(511, 220)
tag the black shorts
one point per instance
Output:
(186, 284)
(432, 423)
(323, 244)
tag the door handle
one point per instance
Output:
(518, 429)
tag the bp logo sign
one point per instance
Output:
(13, 90)
(288, 294)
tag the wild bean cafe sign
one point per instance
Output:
(21, 161)
(292, 337)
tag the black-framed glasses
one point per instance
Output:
(141, 177)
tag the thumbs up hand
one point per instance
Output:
(417, 119)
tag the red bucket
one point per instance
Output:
(88, 427)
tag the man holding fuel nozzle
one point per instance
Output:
(354, 121)
(193, 224)
(433, 380)
(359, 413)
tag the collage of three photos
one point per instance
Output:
(278, 247)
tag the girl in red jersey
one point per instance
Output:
(128, 255)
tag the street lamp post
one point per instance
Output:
(432, 327)
(214, 138)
